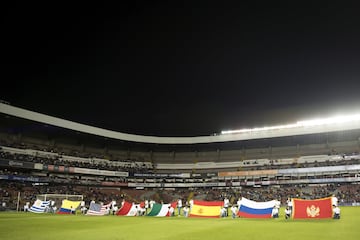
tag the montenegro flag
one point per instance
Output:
(317, 208)
(207, 209)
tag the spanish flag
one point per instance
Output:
(207, 209)
(313, 209)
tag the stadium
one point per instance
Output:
(180, 120)
(44, 158)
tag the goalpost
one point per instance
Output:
(53, 197)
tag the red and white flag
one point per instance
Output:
(312, 209)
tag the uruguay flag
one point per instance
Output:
(252, 209)
(39, 206)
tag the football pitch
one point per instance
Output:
(65, 227)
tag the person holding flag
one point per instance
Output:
(26, 207)
(275, 212)
(179, 206)
(289, 204)
(171, 211)
(287, 213)
(226, 205)
(334, 200)
(146, 206)
(336, 211)
(186, 211)
(191, 204)
(234, 211)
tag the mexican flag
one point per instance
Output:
(161, 210)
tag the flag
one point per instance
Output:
(128, 209)
(159, 210)
(39, 206)
(252, 209)
(67, 205)
(207, 209)
(125, 208)
(317, 208)
(173, 204)
(98, 209)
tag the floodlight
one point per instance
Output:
(305, 123)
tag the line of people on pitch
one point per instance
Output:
(185, 210)
(224, 211)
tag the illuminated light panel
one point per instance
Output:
(305, 123)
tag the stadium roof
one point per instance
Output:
(340, 123)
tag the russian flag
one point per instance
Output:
(252, 209)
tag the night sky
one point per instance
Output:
(182, 69)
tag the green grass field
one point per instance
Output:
(59, 227)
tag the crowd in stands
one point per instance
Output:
(344, 159)
(135, 167)
(9, 193)
(50, 149)
(59, 161)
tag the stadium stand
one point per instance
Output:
(36, 158)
